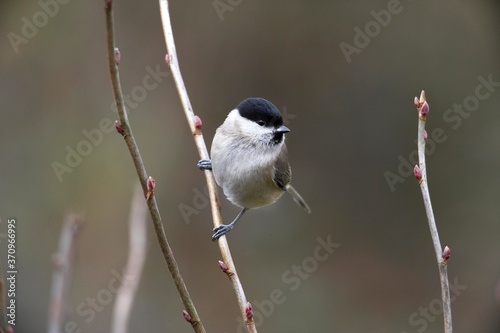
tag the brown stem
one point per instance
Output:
(195, 127)
(62, 261)
(124, 128)
(135, 263)
(442, 260)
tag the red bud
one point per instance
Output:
(117, 56)
(197, 123)
(424, 110)
(187, 316)
(119, 128)
(151, 186)
(416, 102)
(223, 266)
(151, 183)
(418, 173)
(446, 253)
(249, 311)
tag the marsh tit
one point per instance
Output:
(249, 159)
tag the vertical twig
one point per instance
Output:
(195, 127)
(135, 263)
(442, 255)
(147, 183)
(62, 261)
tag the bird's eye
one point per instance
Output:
(261, 122)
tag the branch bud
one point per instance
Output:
(151, 186)
(446, 253)
(197, 125)
(57, 260)
(418, 173)
(425, 135)
(168, 59)
(422, 98)
(424, 110)
(223, 266)
(151, 183)
(119, 128)
(249, 311)
(187, 316)
(416, 102)
(117, 56)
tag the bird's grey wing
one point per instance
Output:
(282, 171)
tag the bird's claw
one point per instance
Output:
(220, 231)
(205, 165)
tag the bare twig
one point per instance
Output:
(123, 127)
(135, 263)
(442, 255)
(62, 261)
(195, 127)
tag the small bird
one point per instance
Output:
(249, 159)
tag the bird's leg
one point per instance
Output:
(225, 228)
(205, 165)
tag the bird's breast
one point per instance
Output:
(245, 173)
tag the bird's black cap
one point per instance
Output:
(260, 110)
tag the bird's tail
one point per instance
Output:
(298, 198)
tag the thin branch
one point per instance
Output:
(442, 255)
(62, 261)
(135, 263)
(195, 127)
(123, 127)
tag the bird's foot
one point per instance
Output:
(205, 165)
(221, 230)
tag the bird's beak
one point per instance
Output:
(282, 129)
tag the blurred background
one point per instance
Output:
(344, 74)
